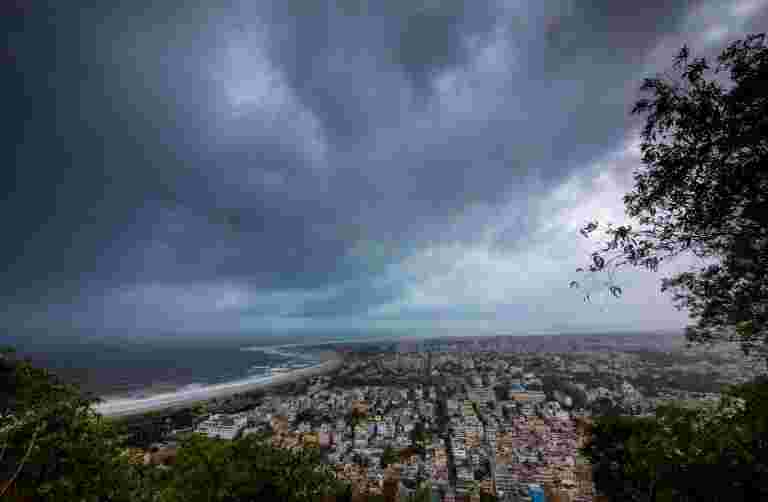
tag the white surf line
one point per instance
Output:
(260, 348)
(275, 350)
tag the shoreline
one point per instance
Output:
(117, 408)
(155, 389)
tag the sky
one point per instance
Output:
(283, 164)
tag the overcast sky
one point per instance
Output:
(300, 164)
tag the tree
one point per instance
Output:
(705, 454)
(703, 190)
(246, 469)
(53, 445)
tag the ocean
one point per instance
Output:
(122, 366)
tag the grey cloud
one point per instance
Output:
(401, 125)
(351, 299)
(343, 61)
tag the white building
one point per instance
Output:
(222, 426)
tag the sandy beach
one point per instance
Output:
(186, 397)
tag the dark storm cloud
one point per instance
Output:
(298, 147)
(335, 54)
(607, 29)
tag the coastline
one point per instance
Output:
(116, 408)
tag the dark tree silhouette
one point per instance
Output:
(53, 446)
(703, 189)
(686, 454)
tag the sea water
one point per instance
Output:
(120, 367)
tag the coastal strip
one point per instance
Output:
(187, 397)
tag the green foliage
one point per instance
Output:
(703, 190)
(714, 453)
(614, 469)
(419, 436)
(389, 457)
(355, 418)
(248, 469)
(53, 443)
(487, 497)
(423, 494)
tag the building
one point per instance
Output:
(531, 396)
(516, 387)
(505, 481)
(222, 426)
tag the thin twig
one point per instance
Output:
(5, 443)
(2, 452)
(23, 461)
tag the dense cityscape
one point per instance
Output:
(462, 419)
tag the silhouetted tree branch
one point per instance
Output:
(703, 189)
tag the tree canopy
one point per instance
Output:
(248, 469)
(703, 190)
(54, 446)
(710, 453)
